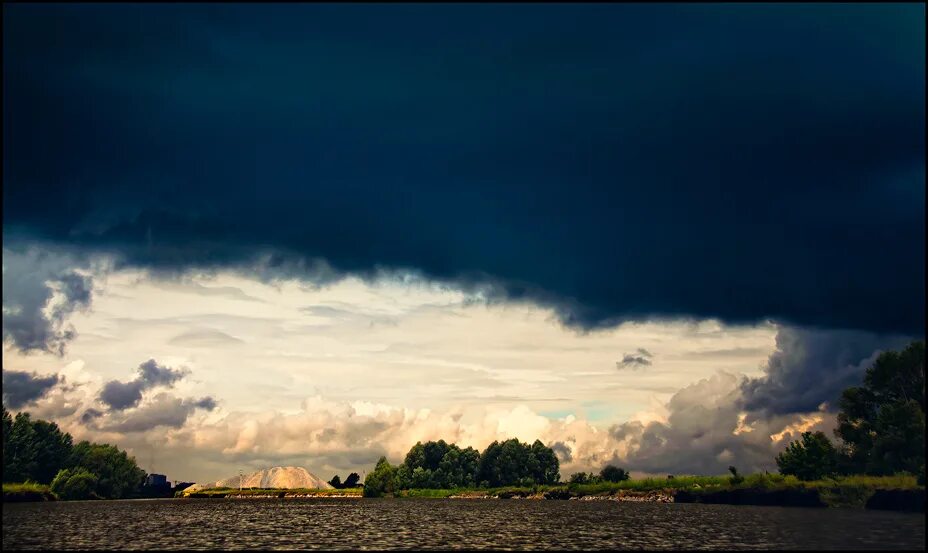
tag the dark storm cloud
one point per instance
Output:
(164, 410)
(123, 395)
(611, 161)
(727, 420)
(21, 388)
(642, 358)
(34, 316)
(813, 366)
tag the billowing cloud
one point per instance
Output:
(813, 366)
(576, 161)
(163, 410)
(123, 395)
(21, 388)
(40, 291)
(698, 436)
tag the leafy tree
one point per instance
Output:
(75, 483)
(813, 457)
(612, 473)
(515, 463)
(882, 423)
(442, 465)
(579, 478)
(352, 480)
(336, 482)
(37, 450)
(438, 465)
(33, 450)
(8, 467)
(546, 464)
(119, 475)
(381, 481)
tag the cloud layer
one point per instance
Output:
(609, 161)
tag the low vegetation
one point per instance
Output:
(27, 491)
(846, 491)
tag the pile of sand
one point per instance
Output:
(277, 477)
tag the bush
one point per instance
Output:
(612, 473)
(811, 458)
(735, 477)
(75, 484)
(382, 481)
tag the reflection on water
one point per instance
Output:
(446, 524)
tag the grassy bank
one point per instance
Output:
(848, 491)
(213, 493)
(28, 491)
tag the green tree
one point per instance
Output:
(381, 481)
(515, 463)
(352, 480)
(438, 465)
(546, 464)
(33, 450)
(8, 467)
(75, 483)
(119, 475)
(882, 423)
(579, 478)
(612, 473)
(813, 457)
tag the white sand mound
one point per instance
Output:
(277, 477)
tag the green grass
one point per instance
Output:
(27, 491)
(839, 492)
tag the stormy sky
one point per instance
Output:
(312, 233)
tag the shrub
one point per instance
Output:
(811, 458)
(612, 473)
(382, 481)
(75, 483)
(735, 477)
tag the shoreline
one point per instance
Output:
(903, 500)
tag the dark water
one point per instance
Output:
(446, 524)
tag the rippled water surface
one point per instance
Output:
(445, 524)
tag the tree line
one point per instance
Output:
(610, 473)
(881, 425)
(442, 465)
(352, 481)
(38, 451)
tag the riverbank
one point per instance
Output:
(269, 493)
(899, 492)
(29, 491)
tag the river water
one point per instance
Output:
(446, 524)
